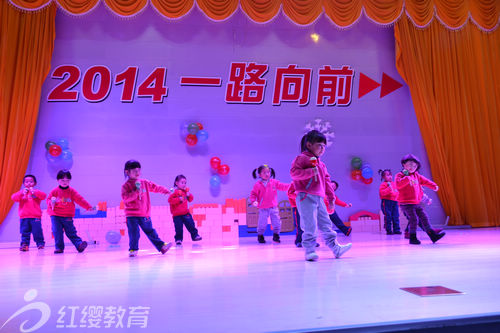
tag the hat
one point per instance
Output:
(411, 157)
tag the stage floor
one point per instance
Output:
(249, 287)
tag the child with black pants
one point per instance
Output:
(389, 205)
(179, 208)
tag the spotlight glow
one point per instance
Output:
(315, 37)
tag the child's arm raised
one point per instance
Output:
(77, 198)
(282, 186)
(301, 169)
(427, 183)
(152, 187)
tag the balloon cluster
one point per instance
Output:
(220, 169)
(194, 133)
(361, 171)
(58, 155)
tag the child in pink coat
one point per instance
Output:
(264, 195)
(312, 184)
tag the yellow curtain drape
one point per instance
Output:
(454, 80)
(452, 13)
(26, 44)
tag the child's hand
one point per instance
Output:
(349, 205)
(138, 186)
(436, 189)
(25, 191)
(255, 203)
(181, 199)
(406, 172)
(331, 205)
(92, 209)
(429, 202)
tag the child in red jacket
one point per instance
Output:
(61, 208)
(30, 213)
(135, 195)
(389, 196)
(409, 184)
(179, 208)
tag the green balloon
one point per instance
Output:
(48, 144)
(356, 163)
(193, 128)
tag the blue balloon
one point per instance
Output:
(113, 237)
(66, 155)
(367, 173)
(215, 181)
(202, 135)
(63, 143)
(184, 128)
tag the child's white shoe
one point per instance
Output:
(339, 250)
(312, 256)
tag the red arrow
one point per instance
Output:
(388, 85)
(366, 85)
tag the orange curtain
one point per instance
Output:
(454, 80)
(26, 44)
(452, 13)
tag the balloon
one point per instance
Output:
(113, 237)
(367, 173)
(223, 169)
(200, 126)
(356, 174)
(55, 150)
(214, 181)
(63, 143)
(367, 181)
(48, 144)
(202, 135)
(356, 163)
(66, 155)
(51, 159)
(215, 163)
(193, 128)
(191, 140)
(184, 129)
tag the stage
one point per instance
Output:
(250, 287)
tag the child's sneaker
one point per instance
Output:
(339, 250)
(197, 238)
(261, 239)
(132, 253)
(276, 238)
(82, 246)
(313, 256)
(41, 247)
(178, 242)
(24, 248)
(165, 247)
(56, 251)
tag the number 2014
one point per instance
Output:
(96, 84)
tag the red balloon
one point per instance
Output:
(191, 139)
(367, 181)
(200, 126)
(223, 169)
(356, 174)
(215, 163)
(55, 150)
